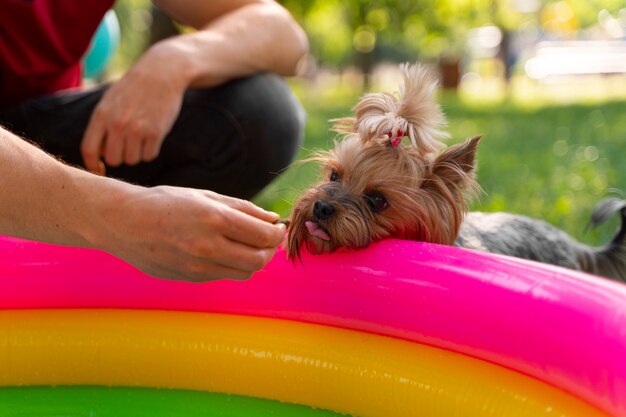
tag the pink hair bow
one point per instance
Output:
(395, 140)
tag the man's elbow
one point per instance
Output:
(301, 49)
(294, 43)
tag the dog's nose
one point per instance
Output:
(323, 209)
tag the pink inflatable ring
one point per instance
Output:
(565, 328)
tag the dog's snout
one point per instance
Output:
(323, 209)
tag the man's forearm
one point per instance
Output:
(42, 199)
(168, 232)
(250, 39)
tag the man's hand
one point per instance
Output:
(133, 117)
(191, 235)
(234, 39)
(168, 232)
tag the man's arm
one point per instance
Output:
(41, 199)
(235, 39)
(168, 232)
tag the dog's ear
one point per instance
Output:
(456, 165)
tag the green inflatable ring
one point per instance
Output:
(89, 401)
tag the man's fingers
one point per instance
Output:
(133, 150)
(251, 224)
(151, 146)
(221, 258)
(91, 145)
(239, 256)
(252, 231)
(114, 149)
(249, 208)
(199, 271)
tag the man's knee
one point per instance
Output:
(272, 120)
(268, 114)
(264, 101)
(261, 104)
(265, 120)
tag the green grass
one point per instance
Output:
(551, 162)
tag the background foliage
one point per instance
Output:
(427, 29)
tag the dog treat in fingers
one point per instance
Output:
(286, 222)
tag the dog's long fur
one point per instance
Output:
(374, 190)
(421, 118)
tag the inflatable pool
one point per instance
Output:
(398, 329)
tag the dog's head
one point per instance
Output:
(374, 187)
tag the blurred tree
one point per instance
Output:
(586, 12)
(361, 32)
(134, 18)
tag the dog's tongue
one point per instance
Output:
(316, 230)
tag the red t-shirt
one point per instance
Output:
(42, 43)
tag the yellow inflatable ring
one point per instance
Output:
(325, 367)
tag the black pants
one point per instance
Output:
(232, 139)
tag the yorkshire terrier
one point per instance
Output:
(376, 187)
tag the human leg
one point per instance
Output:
(233, 139)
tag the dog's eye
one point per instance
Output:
(334, 176)
(376, 201)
